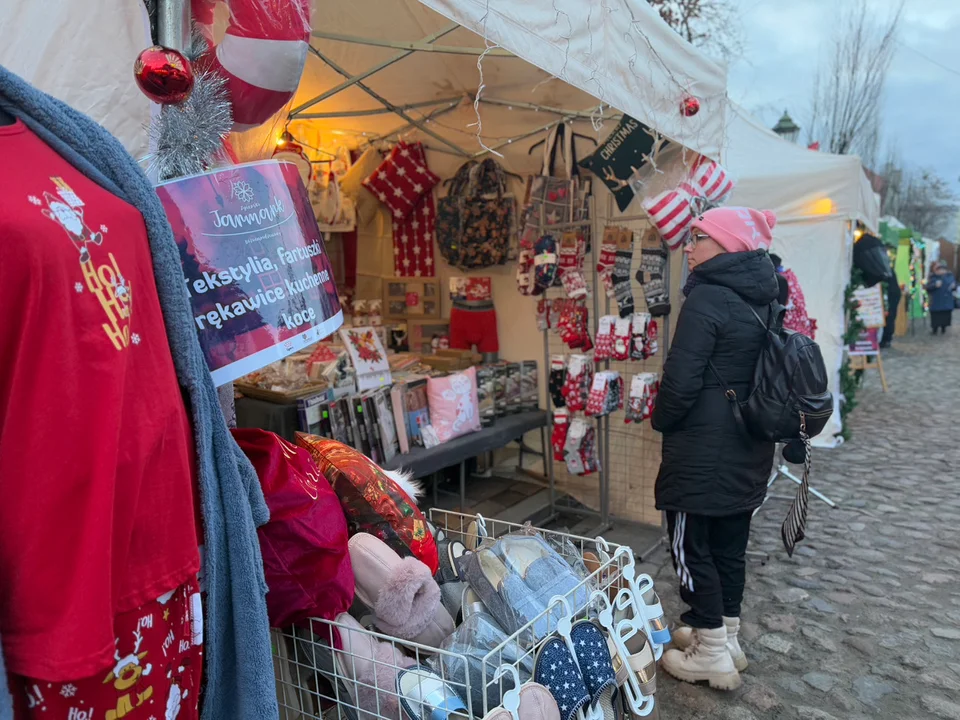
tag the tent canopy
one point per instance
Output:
(798, 183)
(815, 196)
(416, 63)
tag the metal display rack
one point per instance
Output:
(316, 673)
(621, 449)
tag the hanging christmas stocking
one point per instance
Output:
(653, 260)
(608, 257)
(621, 273)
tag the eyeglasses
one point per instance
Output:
(696, 237)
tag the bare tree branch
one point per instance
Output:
(849, 83)
(713, 25)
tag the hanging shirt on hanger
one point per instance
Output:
(97, 507)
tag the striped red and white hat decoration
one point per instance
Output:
(714, 182)
(262, 54)
(672, 212)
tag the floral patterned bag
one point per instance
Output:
(475, 222)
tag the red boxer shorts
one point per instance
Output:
(157, 674)
(474, 326)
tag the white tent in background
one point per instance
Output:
(816, 197)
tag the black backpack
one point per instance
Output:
(788, 397)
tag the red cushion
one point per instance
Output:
(306, 562)
(372, 502)
(402, 179)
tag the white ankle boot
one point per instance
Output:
(733, 643)
(684, 637)
(706, 660)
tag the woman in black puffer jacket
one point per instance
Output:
(713, 475)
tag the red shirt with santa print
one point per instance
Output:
(96, 451)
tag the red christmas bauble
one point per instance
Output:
(689, 106)
(164, 75)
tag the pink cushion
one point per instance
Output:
(402, 179)
(453, 404)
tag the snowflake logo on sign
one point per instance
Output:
(68, 691)
(242, 191)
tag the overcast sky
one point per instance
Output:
(921, 113)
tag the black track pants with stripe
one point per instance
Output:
(709, 555)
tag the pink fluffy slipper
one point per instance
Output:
(400, 591)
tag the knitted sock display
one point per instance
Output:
(525, 285)
(653, 260)
(558, 438)
(642, 397)
(580, 450)
(652, 346)
(577, 382)
(621, 273)
(638, 339)
(604, 349)
(621, 339)
(606, 394)
(571, 447)
(596, 400)
(571, 267)
(608, 256)
(583, 316)
(542, 305)
(544, 263)
(558, 369)
(614, 398)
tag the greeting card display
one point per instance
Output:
(258, 276)
(368, 357)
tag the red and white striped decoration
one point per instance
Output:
(714, 182)
(672, 213)
(262, 54)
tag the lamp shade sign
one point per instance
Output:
(255, 268)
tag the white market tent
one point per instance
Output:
(816, 197)
(383, 69)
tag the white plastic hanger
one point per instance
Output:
(638, 585)
(511, 698)
(639, 704)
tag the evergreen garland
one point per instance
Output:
(850, 382)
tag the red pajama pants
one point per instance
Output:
(474, 327)
(156, 676)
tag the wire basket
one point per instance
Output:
(315, 680)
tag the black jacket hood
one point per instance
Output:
(749, 274)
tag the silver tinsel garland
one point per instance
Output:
(188, 138)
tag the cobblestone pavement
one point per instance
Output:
(864, 621)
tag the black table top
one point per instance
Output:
(425, 461)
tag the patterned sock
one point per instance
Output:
(561, 426)
(572, 446)
(621, 275)
(653, 260)
(571, 268)
(621, 339)
(608, 256)
(597, 397)
(604, 349)
(557, 372)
